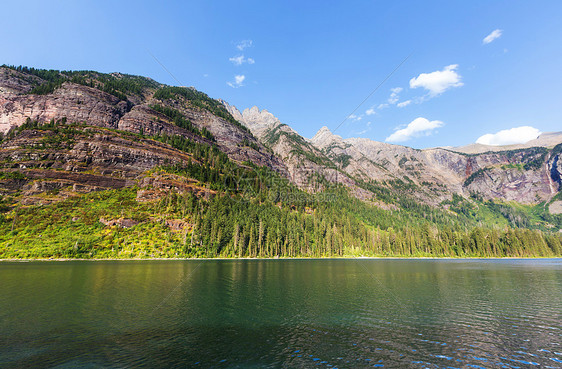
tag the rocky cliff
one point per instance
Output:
(308, 167)
(88, 102)
(522, 175)
(108, 130)
(525, 173)
(64, 134)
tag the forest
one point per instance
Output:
(251, 211)
(245, 210)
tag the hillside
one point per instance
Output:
(527, 174)
(114, 165)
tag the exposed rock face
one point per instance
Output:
(307, 166)
(102, 156)
(94, 160)
(437, 173)
(258, 121)
(555, 168)
(555, 207)
(13, 82)
(502, 175)
(83, 104)
(75, 102)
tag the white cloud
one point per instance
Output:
(382, 106)
(439, 81)
(492, 36)
(418, 127)
(393, 99)
(404, 103)
(362, 132)
(509, 136)
(370, 111)
(244, 44)
(238, 81)
(355, 117)
(240, 59)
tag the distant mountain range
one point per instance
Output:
(527, 173)
(548, 139)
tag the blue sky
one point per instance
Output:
(312, 63)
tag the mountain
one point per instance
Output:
(99, 100)
(114, 165)
(548, 139)
(526, 174)
(308, 167)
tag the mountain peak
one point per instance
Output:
(324, 137)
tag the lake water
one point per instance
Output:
(282, 314)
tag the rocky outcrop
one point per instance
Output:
(111, 146)
(74, 102)
(78, 103)
(517, 175)
(13, 82)
(511, 175)
(307, 166)
(92, 159)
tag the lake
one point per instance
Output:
(354, 313)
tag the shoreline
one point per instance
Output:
(291, 258)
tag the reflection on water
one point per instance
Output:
(282, 313)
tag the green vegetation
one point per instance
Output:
(243, 226)
(252, 212)
(342, 160)
(198, 99)
(181, 121)
(247, 143)
(59, 134)
(228, 209)
(518, 166)
(473, 176)
(12, 175)
(118, 85)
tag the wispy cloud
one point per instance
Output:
(360, 133)
(355, 117)
(509, 136)
(244, 44)
(439, 81)
(393, 99)
(404, 103)
(240, 59)
(418, 127)
(495, 34)
(370, 111)
(238, 81)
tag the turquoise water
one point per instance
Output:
(282, 314)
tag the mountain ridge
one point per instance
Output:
(114, 165)
(459, 172)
